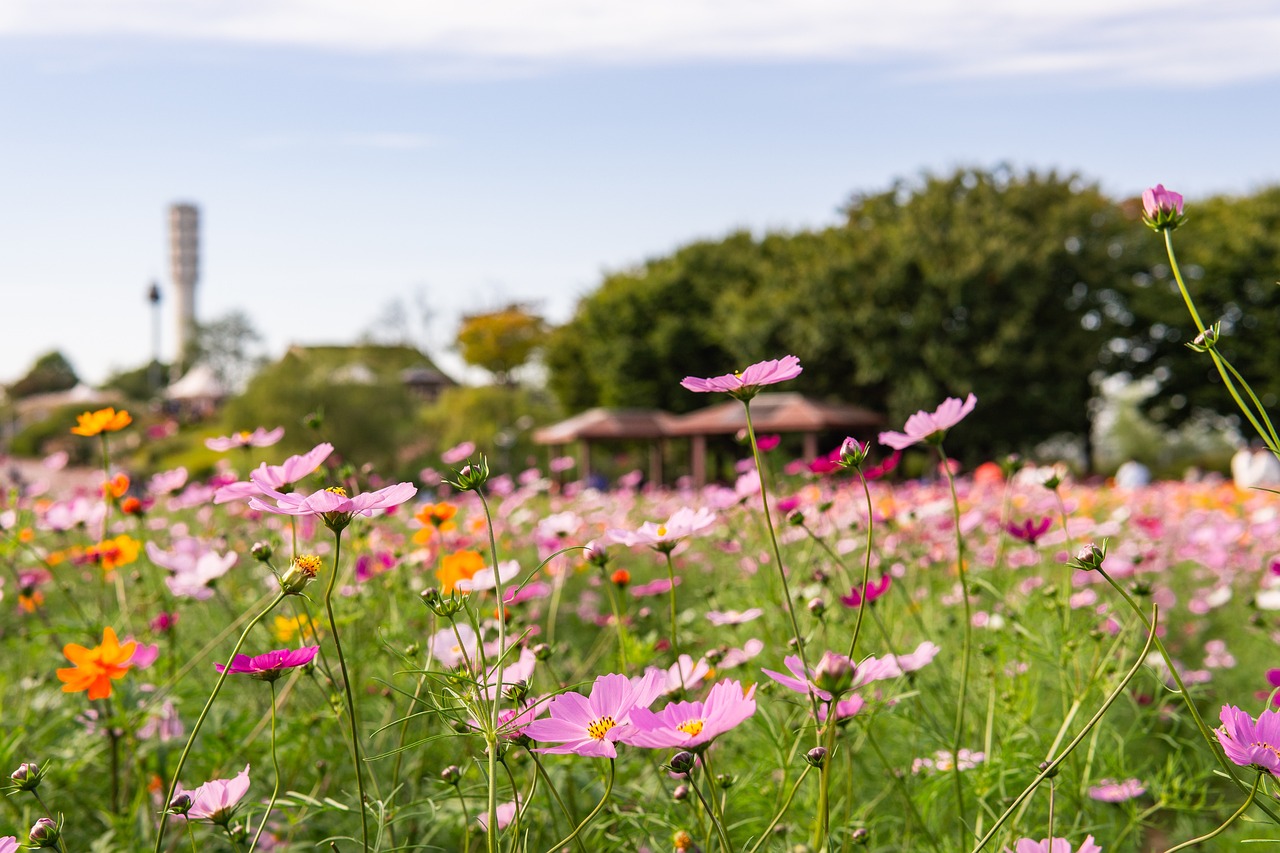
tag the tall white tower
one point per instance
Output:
(184, 255)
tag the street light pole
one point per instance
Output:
(153, 372)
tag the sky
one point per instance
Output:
(362, 164)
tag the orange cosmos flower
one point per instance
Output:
(113, 553)
(434, 517)
(103, 420)
(116, 486)
(458, 566)
(95, 668)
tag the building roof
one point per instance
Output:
(777, 412)
(598, 423)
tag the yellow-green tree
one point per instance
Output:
(501, 341)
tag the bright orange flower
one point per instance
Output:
(103, 420)
(434, 517)
(26, 535)
(32, 601)
(113, 553)
(94, 668)
(116, 486)
(458, 566)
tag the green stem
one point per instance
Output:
(866, 566)
(768, 830)
(1051, 767)
(711, 815)
(608, 789)
(537, 763)
(671, 597)
(346, 688)
(492, 735)
(275, 761)
(1243, 808)
(62, 842)
(195, 730)
(777, 555)
(965, 650)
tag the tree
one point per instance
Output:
(501, 341)
(231, 346)
(51, 372)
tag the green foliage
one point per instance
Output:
(51, 372)
(497, 418)
(367, 411)
(54, 433)
(501, 341)
(137, 383)
(230, 345)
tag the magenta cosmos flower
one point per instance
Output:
(874, 590)
(686, 725)
(260, 437)
(683, 522)
(1161, 208)
(1030, 530)
(746, 384)
(1055, 845)
(591, 725)
(930, 427)
(216, 799)
(1251, 744)
(278, 477)
(332, 504)
(269, 666)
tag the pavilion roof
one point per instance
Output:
(776, 412)
(603, 423)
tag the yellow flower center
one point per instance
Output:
(692, 728)
(599, 728)
(308, 563)
(244, 435)
(337, 490)
(662, 530)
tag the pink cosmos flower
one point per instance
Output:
(930, 427)
(874, 590)
(684, 674)
(260, 437)
(871, 669)
(194, 566)
(747, 383)
(214, 800)
(591, 725)
(332, 504)
(942, 762)
(683, 522)
(1158, 202)
(1056, 845)
(8, 844)
(486, 579)
(458, 452)
(167, 482)
(733, 617)
(1251, 744)
(661, 586)
(1029, 530)
(506, 814)
(268, 666)
(685, 725)
(277, 477)
(1111, 791)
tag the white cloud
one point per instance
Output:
(1185, 41)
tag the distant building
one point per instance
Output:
(369, 364)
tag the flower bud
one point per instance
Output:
(517, 691)
(852, 453)
(834, 673)
(261, 551)
(796, 519)
(1090, 557)
(682, 762)
(816, 757)
(620, 578)
(472, 476)
(1208, 339)
(860, 836)
(451, 775)
(1043, 766)
(313, 420)
(301, 572)
(680, 794)
(596, 555)
(725, 780)
(817, 607)
(541, 651)
(44, 833)
(1162, 208)
(27, 777)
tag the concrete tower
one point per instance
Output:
(184, 254)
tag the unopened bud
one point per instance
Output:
(541, 651)
(180, 804)
(451, 775)
(725, 780)
(471, 477)
(27, 777)
(860, 836)
(853, 453)
(817, 606)
(1208, 339)
(816, 757)
(44, 833)
(261, 551)
(517, 691)
(834, 673)
(680, 794)
(1090, 557)
(682, 762)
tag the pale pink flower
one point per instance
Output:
(591, 725)
(329, 504)
(167, 482)
(733, 617)
(486, 579)
(8, 844)
(458, 452)
(1111, 791)
(748, 382)
(683, 725)
(930, 426)
(194, 565)
(276, 477)
(260, 437)
(683, 522)
(506, 813)
(214, 800)
(1056, 845)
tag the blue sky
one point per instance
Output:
(349, 154)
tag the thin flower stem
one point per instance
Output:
(822, 821)
(620, 628)
(346, 688)
(671, 594)
(1243, 808)
(1182, 691)
(768, 830)
(492, 734)
(195, 730)
(275, 761)
(965, 650)
(710, 812)
(608, 789)
(866, 566)
(1051, 767)
(466, 818)
(777, 555)
(537, 763)
(62, 842)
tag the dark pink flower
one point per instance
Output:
(1030, 530)
(591, 725)
(279, 478)
(877, 471)
(874, 590)
(684, 725)
(270, 665)
(746, 384)
(1249, 743)
(1054, 845)
(260, 437)
(930, 427)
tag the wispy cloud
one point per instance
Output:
(1181, 41)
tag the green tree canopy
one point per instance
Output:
(51, 372)
(501, 341)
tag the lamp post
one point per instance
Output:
(153, 371)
